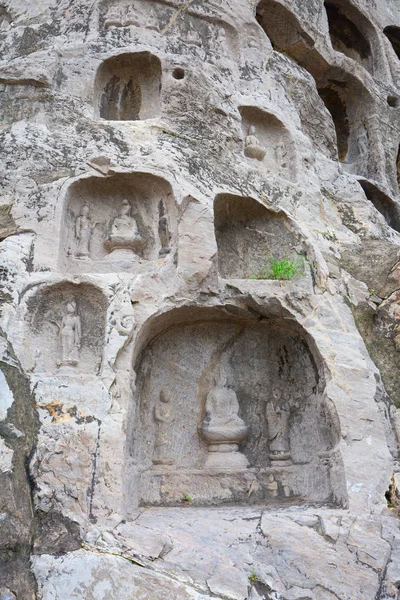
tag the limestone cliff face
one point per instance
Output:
(200, 309)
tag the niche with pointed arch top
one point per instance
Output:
(127, 87)
(66, 328)
(271, 139)
(248, 234)
(229, 409)
(123, 222)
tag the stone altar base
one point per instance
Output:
(270, 486)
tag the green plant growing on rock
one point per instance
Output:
(186, 498)
(253, 576)
(281, 269)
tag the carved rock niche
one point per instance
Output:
(350, 31)
(67, 326)
(246, 232)
(228, 410)
(273, 138)
(347, 101)
(127, 87)
(117, 223)
(388, 208)
(393, 34)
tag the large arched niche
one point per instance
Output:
(66, 328)
(246, 233)
(273, 369)
(127, 87)
(89, 241)
(273, 137)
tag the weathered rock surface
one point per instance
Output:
(177, 420)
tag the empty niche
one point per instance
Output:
(343, 95)
(282, 27)
(393, 35)
(127, 87)
(267, 140)
(228, 410)
(246, 232)
(67, 325)
(337, 109)
(388, 208)
(117, 223)
(346, 28)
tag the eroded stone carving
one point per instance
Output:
(163, 231)
(123, 231)
(113, 17)
(83, 231)
(163, 417)
(222, 428)
(70, 336)
(277, 413)
(252, 146)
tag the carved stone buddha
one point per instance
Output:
(222, 428)
(123, 232)
(252, 146)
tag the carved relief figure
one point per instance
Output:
(70, 336)
(83, 232)
(280, 154)
(222, 428)
(163, 231)
(131, 17)
(363, 143)
(278, 413)
(252, 146)
(113, 17)
(123, 231)
(163, 417)
(193, 38)
(272, 486)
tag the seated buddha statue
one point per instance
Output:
(252, 146)
(123, 231)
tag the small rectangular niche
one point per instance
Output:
(127, 87)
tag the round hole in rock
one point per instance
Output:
(178, 73)
(224, 402)
(393, 101)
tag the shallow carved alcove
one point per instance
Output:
(345, 28)
(66, 328)
(231, 410)
(127, 87)
(267, 140)
(383, 203)
(116, 223)
(246, 232)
